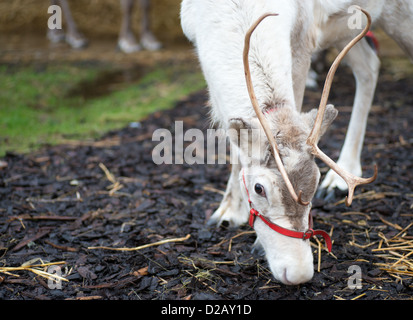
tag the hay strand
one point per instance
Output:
(143, 246)
(398, 248)
(36, 269)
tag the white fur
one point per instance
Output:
(280, 54)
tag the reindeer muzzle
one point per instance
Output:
(304, 235)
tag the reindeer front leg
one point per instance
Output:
(232, 208)
(365, 66)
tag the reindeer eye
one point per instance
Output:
(259, 189)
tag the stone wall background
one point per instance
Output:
(95, 18)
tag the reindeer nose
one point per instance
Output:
(294, 276)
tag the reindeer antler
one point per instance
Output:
(351, 180)
(261, 117)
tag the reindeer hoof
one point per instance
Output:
(56, 35)
(257, 248)
(226, 215)
(127, 46)
(149, 42)
(76, 41)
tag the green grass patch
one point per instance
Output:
(48, 104)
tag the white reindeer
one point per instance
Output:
(126, 42)
(280, 54)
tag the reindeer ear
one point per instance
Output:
(244, 130)
(237, 129)
(249, 138)
(239, 123)
(234, 129)
(329, 116)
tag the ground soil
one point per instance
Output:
(57, 203)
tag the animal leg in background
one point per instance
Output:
(148, 40)
(73, 36)
(127, 42)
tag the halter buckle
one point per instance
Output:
(308, 234)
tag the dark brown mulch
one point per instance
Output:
(58, 202)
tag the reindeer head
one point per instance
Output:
(282, 164)
(261, 182)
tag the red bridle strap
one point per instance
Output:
(287, 232)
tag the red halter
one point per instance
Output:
(287, 232)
